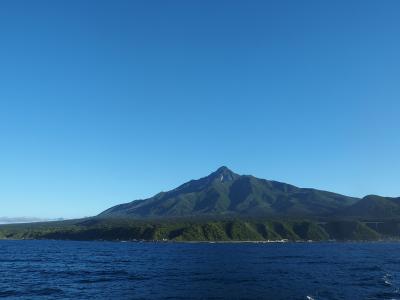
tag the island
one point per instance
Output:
(227, 207)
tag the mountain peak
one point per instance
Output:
(223, 174)
(223, 169)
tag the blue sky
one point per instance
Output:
(103, 102)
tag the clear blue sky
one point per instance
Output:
(103, 102)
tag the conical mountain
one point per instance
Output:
(225, 193)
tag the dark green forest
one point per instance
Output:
(205, 230)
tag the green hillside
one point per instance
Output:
(225, 193)
(203, 230)
(373, 207)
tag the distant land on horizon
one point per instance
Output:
(18, 220)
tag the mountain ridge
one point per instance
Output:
(225, 193)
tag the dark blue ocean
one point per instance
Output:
(107, 270)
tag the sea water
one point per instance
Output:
(133, 270)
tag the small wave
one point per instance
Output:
(111, 273)
(37, 292)
(310, 298)
(391, 296)
(94, 280)
(47, 291)
(366, 269)
(9, 293)
(387, 279)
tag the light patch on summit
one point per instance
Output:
(222, 177)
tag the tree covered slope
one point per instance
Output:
(204, 230)
(225, 193)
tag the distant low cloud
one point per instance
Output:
(15, 220)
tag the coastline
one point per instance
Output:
(389, 240)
